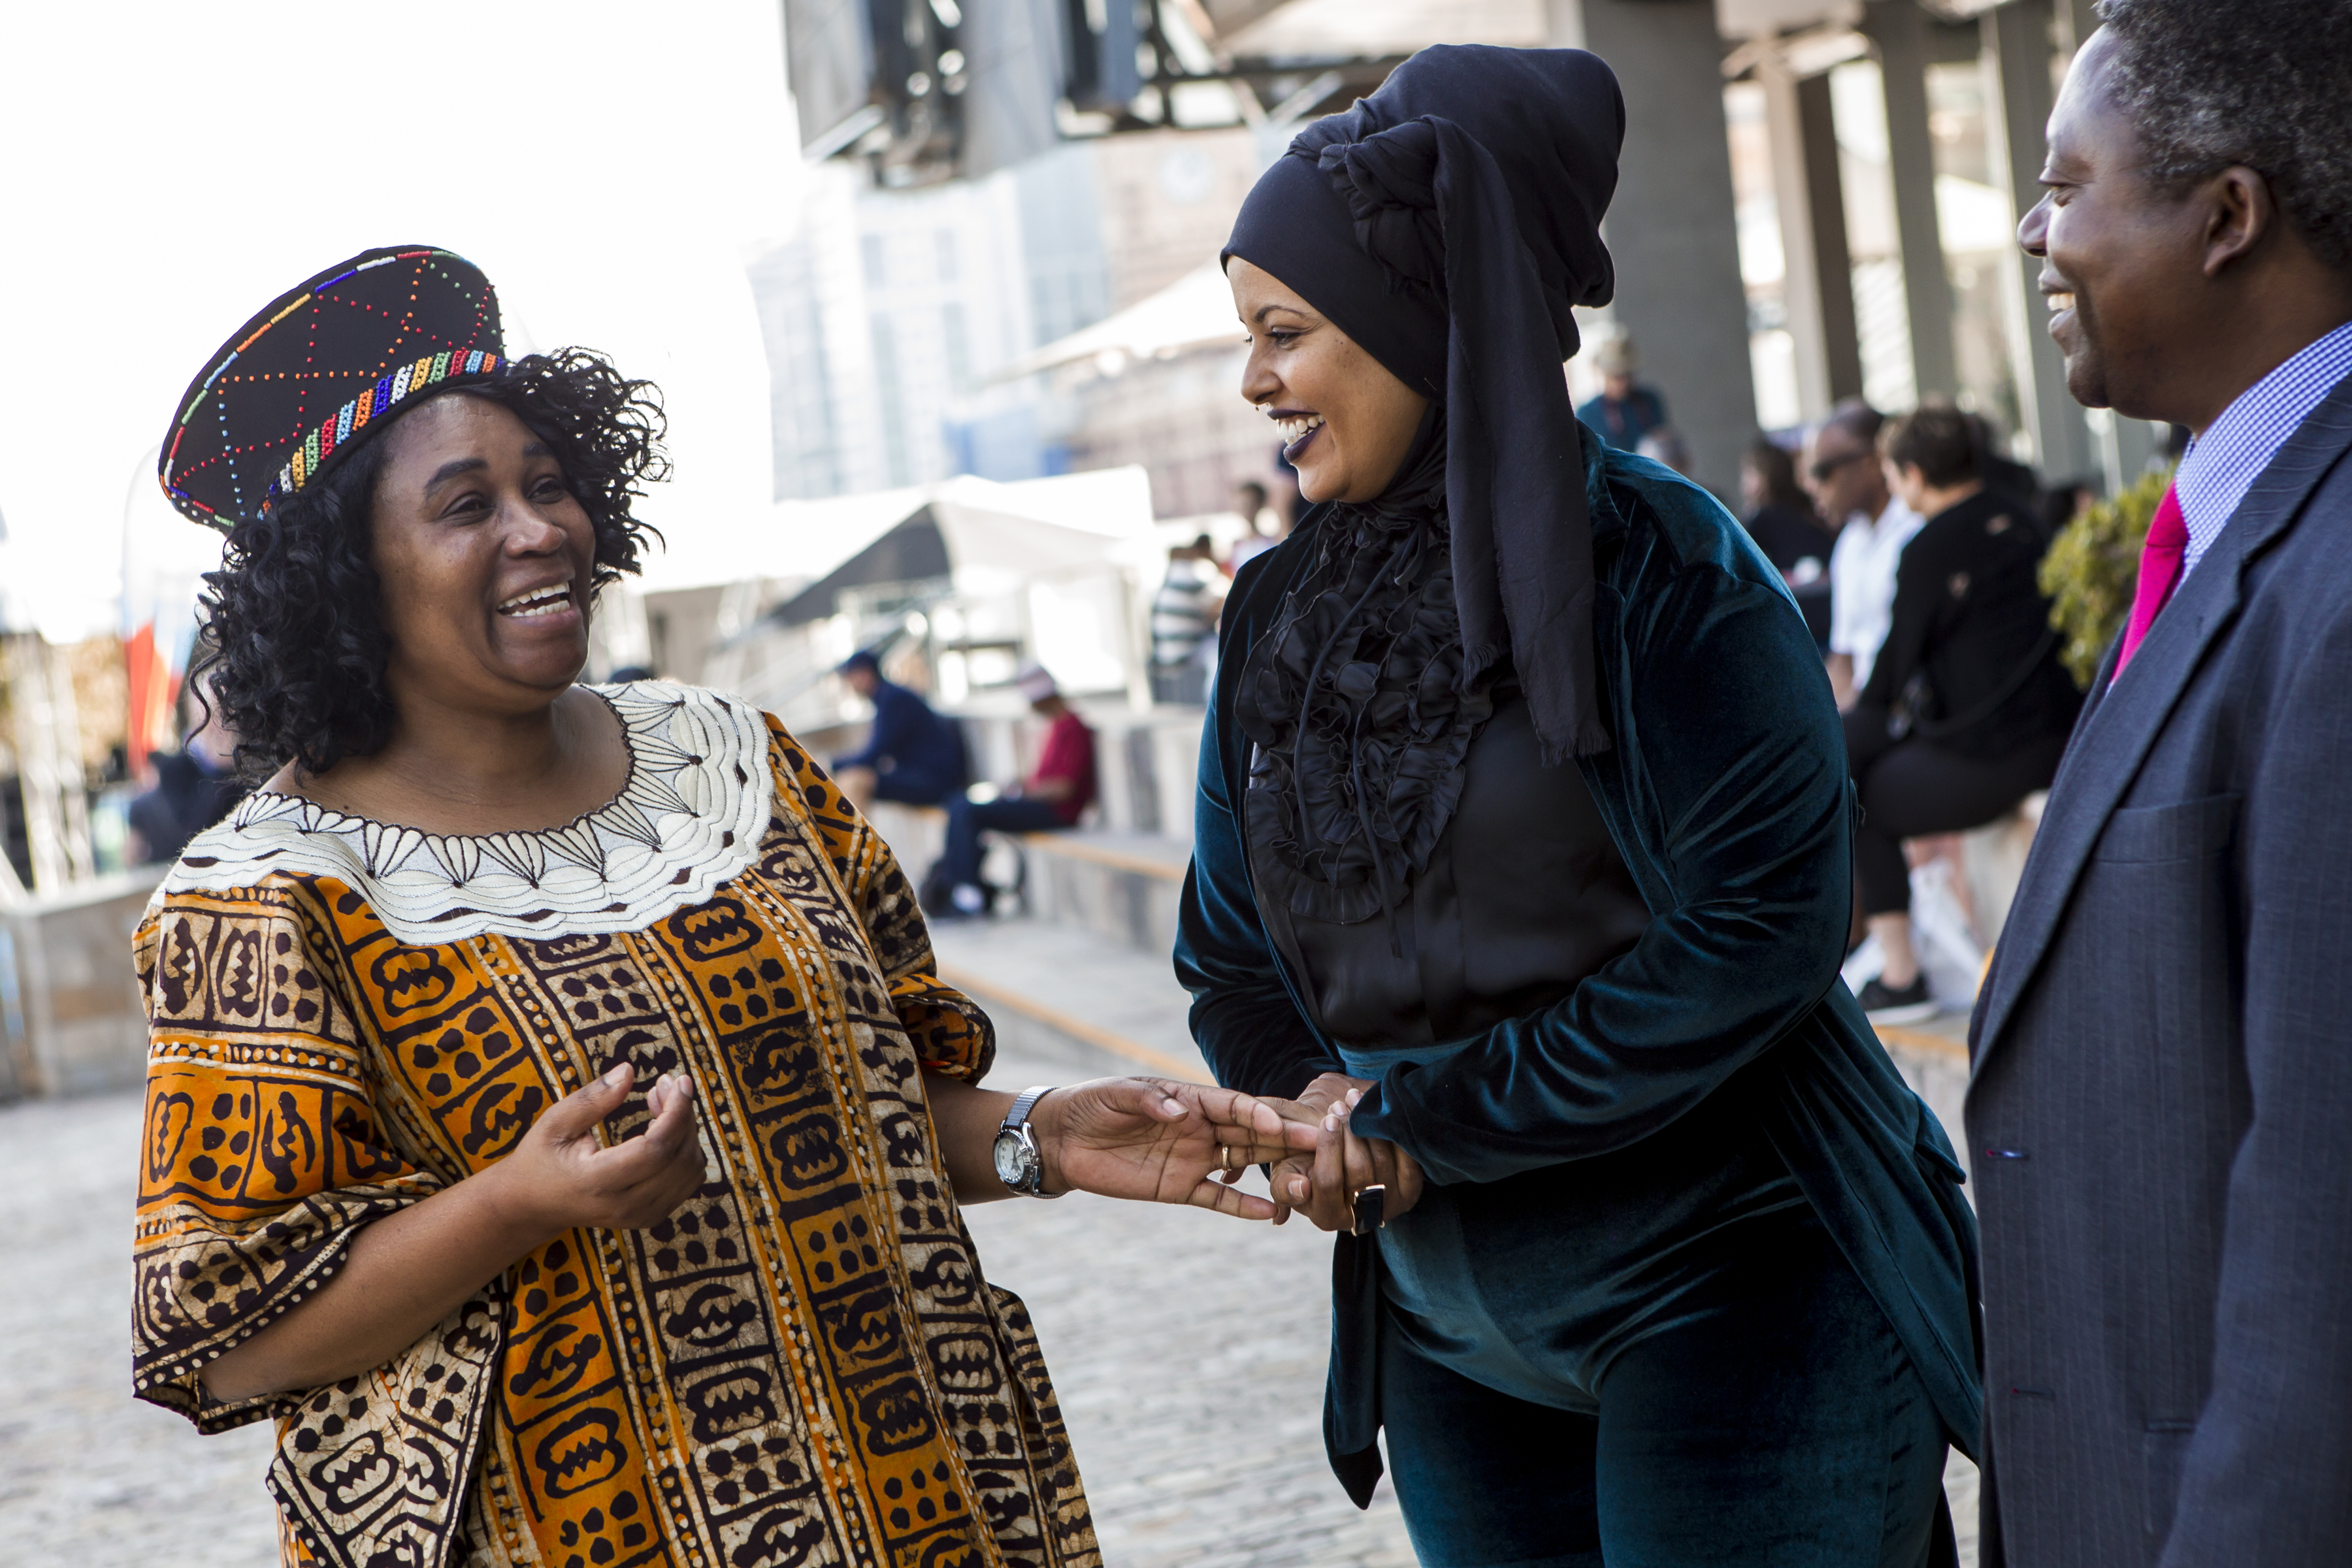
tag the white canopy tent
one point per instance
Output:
(804, 540)
(1195, 311)
(966, 578)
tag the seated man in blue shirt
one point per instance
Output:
(913, 755)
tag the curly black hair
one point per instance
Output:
(2266, 83)
(299, 648)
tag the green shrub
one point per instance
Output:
(2093, 567)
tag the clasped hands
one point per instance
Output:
(1162, 1140)
(1149, 1140)
(1324, 1184)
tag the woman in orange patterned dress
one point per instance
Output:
(555, 1122)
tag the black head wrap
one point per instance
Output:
(1444, 223)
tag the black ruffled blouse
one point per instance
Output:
(1383, 784)
(1354, 706)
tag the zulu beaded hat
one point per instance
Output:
(317, 369)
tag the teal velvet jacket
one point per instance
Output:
(1726, 794)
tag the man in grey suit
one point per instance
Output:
(2160, 1116)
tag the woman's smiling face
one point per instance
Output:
(486, 561)
(1346, 421)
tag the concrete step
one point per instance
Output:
(1113, 883)
(72, 1020)
(1123, 886)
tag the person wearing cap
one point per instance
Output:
(426, 1180)
(1521, 869)
(911, 755)
(1055, 796)
(1624, 411)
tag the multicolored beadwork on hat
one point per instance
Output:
(306, 380)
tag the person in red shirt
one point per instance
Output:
(1057, 793)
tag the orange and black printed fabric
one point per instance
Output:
(802, 1365)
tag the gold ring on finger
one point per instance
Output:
(1225, 1157)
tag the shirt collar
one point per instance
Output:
(2222, 465)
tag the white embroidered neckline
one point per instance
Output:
(690, 817)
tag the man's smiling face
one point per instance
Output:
(2121, 258)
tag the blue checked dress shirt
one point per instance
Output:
(2223, 464)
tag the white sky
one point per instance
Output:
(166, 169)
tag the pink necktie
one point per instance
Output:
(2159, 573)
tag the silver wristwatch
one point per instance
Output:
(1018, 1164)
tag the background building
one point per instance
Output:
(904, 326)
(1824, 191)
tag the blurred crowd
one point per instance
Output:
(1913, 545)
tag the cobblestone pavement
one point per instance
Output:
(1189, 1351)
(1188, 1348)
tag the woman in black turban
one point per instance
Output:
(1523, 865)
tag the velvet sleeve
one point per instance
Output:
(1249, 1030)
(1729, 751)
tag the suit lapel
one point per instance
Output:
(2122, 723)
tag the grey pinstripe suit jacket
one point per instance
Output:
(2160, 1113)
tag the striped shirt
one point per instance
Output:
(2223, 464)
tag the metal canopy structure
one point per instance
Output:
(949, 88)
(924, 90)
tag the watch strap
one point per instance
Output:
(1017, 1114)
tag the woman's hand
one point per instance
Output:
(560, 1176)
(1293, 1175)
(1161, 1140)
(1323, 1184)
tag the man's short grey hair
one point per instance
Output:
(2265, 83)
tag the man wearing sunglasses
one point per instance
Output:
(1841, 470)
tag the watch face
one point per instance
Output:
(1012, 1159)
